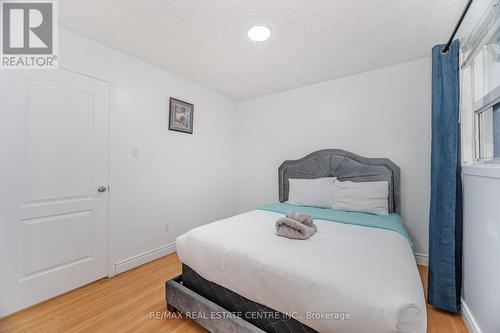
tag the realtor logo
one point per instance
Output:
(28, 34)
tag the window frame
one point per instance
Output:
(477, 132)
(488, 27)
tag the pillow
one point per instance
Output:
(311, 192)
(365, 197)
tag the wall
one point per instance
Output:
(185, 180)
(481, 248)
(382, 113)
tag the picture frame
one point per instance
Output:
(181, 116)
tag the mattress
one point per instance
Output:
(344, 279)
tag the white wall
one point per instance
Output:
(186, 180)
(481, 248)
(382, 113)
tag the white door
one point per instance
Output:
(53, 184)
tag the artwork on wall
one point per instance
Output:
(181, 116)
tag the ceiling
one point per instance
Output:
(313, 40)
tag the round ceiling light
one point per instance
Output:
(259, 33)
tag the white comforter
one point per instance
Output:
(343, 270)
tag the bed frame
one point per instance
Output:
(190, 294)
(223, 310)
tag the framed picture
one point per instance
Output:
(181, 116)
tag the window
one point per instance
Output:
(486, 69)
(491, 64)
(488, 133)
(480, 91)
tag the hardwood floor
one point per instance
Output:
(127, 303)
(439, 321)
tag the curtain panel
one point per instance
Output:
(445, 218)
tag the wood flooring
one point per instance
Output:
(134, 301)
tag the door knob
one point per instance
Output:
(101, 189)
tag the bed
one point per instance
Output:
(350, 277)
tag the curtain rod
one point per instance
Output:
(466, 9)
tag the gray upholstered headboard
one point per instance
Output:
(345, 166)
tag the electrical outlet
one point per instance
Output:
(166, 226)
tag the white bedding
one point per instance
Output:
(367, 273)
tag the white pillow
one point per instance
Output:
(311, 192)
(366, 197)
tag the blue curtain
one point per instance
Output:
(445, 218)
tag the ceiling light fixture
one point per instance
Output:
(259, 33)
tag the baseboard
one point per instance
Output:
(140, 259)
(469, 320)
(421, 259)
